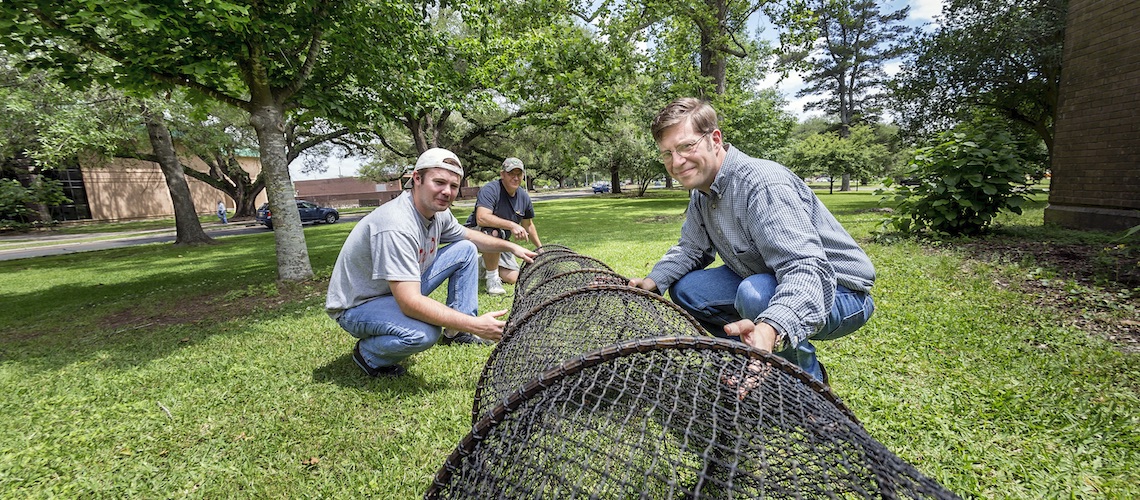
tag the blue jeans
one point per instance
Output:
(718, 296)
(387, 336)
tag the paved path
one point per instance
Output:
(23, 246)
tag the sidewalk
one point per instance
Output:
(48, 242)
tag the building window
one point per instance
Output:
(71, 179)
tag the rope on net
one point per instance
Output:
(675, 417)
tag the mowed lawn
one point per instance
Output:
(162, 372)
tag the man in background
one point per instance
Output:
(503, 209)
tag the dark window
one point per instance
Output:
(71, 179)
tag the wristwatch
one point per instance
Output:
(780, 344)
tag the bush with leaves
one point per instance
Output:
(16, 201)
(965, 177)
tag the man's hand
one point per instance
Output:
(518, 231)
(644, 284)
(759, 335)
(489, 326)
(524, 254)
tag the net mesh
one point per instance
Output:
(570, 324)
(559, 284)
(549, 264)
(682, 417)
(601, 390)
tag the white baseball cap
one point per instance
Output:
(437, 158)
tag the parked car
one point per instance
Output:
(601, 188)
(310, 212)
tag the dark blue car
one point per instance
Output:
(310, 212)
(602, 187)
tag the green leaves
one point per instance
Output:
(968, 176)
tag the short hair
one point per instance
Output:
(699, 112)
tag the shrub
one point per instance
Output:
(963, 180)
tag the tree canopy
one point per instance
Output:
(993, 56)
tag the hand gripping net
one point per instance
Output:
(675, 417)
(569, 324)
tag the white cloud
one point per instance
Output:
(925, 9)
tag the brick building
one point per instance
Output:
(126, 189)
(347, 192)
(1096, 152)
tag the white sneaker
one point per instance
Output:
(495, 285)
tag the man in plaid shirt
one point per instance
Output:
(791, 273)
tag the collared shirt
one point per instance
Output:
(392, 243)
(759, 217)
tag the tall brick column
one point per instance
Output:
(1096, 151)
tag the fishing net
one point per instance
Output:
(559, 284)
(569, 324)
(675, 417)
(549, 264)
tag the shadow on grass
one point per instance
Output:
(343, 372)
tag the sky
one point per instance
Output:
(921, 12)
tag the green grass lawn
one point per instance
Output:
(157, 371)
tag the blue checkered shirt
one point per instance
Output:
(761, 218)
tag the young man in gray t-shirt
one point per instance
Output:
(396, 256)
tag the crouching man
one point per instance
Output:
(396, 256)
(791, 273)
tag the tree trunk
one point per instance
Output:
(227, 175)
(845, 185)
(615, 179)
(30, 176)
(292, 253)
(188, 228)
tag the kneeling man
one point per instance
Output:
(396, 256)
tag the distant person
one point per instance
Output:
(222, 212)
(503, 209)
(397, 255)
(791, 273)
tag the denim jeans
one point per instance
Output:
(387, 336)
(718, 296)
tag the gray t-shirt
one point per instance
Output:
(393, 243)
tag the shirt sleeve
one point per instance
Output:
(450, 229)
(396, 256)
(784, 235)
(488, 196)
(693, 251)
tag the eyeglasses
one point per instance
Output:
(683, 150)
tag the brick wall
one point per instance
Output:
(1096, 153)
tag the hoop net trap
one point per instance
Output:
(601, 390)
(572, 323)
(675, 417)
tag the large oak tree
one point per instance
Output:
(258, 56)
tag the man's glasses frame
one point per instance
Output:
(683, 150)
